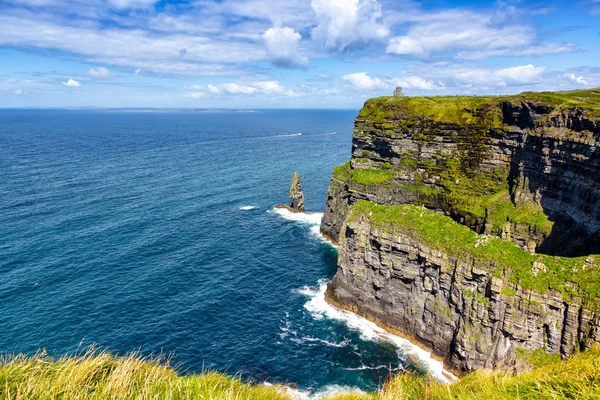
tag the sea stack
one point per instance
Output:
(296, 196)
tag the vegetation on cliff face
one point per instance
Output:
(372, 176)
(571, 276)
(342, 172)
(100, 376)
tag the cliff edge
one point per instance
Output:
(469, 223)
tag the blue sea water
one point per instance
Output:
(154, 231)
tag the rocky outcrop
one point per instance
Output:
(457, 307)
(296, 196)
(523, 170)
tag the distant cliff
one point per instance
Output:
(522, 173)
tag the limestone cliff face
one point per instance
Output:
(454, 306)
(524, 169)
(544, 159)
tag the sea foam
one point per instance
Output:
(313, 220)
(319, 308)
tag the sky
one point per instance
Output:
(288, 53)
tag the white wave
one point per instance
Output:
(311, 219)
(247, 208)
(310, 341)
(375, 368)
(319, 308)
(326, 392)
(289, 135)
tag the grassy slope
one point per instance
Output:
(442, 233)
(102, 376)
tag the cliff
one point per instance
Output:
(524, 167)
(466, 223)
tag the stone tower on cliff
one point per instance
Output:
(398, 92)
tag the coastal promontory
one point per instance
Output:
(471, 224)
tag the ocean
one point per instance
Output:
(154, 231)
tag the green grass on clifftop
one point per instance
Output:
(442, 233)
(473, 109)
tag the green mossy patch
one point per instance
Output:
(372, 176)
(588, 100)
(503, 210)
(342, 172)
(578, 276)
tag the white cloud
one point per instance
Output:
(343, 23)
(282, 47)
(270, 88)
(122, 4)
(238, 89)
(137, 71)
(195, 95)
(213, 89)
(576, 79)
(71, 83)
(143, 50)
(416, 82)
(362, 81)
(100, 73)
(471, 36)
(18, 92)
(521, 74)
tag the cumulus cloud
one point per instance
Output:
(71, 83)
(521, 74)
(282, 47)
(576, 79)
(362, 81)
(416, 82)
(99, 73)
(122, 4)
(236, 88)
(345, 23)
(273, 88)
(18, 92)
(144, 50)
(471, 36)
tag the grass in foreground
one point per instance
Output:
(104, 376)
(442, 233)
(577, 378)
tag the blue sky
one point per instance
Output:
(288, 54)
